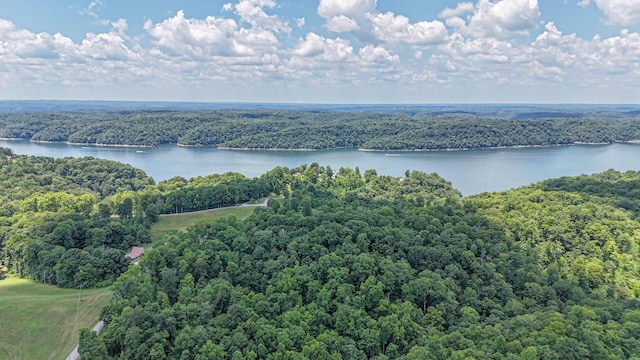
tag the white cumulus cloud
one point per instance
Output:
(362, 18)
(319, 47)
(348, 8)
(20, 43)
(500, 19)
(182, 36)
(34, 60)
(459, 10)
(212, 38)
(345, 15)
(621, 12)
(105, 46)
(388, 27)
(253, 12)
(342, 23)
(478, 44)
(371, 54)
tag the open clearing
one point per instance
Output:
(39, 321)
(180, 222)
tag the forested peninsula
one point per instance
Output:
(343, 264)
(315, 130)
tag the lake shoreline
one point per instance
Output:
(471, 172)
(109, 145)
(271, 149)
(505, 147)
(74, 143)
(423, 150)
(227, 148)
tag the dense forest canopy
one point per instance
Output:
(296, 129)
(353, 265)
(69, 222)
(54, 221)
(346, 265)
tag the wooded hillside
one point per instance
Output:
(347, 265)
(295, 129)
(360, 266)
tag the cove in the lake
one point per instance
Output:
(470, 171)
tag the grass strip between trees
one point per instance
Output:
(181, 222)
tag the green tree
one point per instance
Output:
(91, 347)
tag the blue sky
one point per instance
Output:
(322, 51)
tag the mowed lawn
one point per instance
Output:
(181, 222)
(39, 321)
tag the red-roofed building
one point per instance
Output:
(135, 253)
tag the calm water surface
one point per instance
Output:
(471, 172)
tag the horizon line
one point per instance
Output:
(312, 103)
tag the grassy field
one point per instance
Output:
(39, 321)
(43, 322)
(182, 221)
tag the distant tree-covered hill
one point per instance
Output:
(296, 129)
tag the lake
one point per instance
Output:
(470, 171)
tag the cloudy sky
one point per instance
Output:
(322, 51)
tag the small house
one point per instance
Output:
(135, 253)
